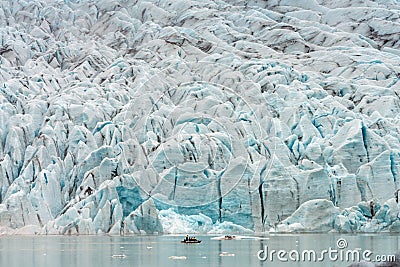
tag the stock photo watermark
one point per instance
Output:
(334, 254)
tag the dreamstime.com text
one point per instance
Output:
(338, 253)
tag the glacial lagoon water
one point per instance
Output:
(166, 250)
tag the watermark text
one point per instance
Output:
(338, 253)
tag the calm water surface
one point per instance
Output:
(98, 251)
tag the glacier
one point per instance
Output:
(217, 116)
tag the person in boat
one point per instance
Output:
(372, 208)
(187, 238)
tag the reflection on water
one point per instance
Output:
(157, 250)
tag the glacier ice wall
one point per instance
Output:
(124, 117)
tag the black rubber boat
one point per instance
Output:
(191, 241)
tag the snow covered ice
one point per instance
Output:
(161, 116)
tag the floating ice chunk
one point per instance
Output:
(226, 254)
(118, 256)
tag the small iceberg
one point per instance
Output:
(118, 256)
(226, 254)
(177, 257)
